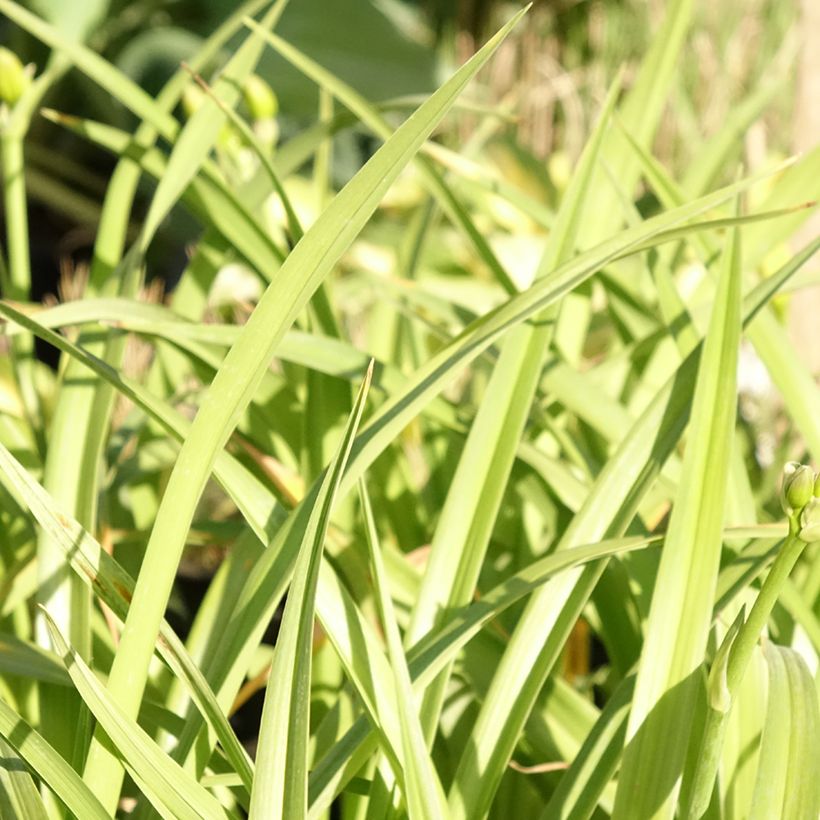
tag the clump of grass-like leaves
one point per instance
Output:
(476, 440)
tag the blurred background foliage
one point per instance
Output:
(412, 280)
(552, 73)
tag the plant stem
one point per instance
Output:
(12, 159)
(14, 200)
(750, 631)
(739, 657)
(19, 266)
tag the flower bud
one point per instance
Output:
(192, 99)
(798, 487)
(259, 98)
(14, 79)
(810, 522)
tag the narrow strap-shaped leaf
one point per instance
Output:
(280, 785)
(422, 788)
(49, 766)
(437, 650)
(770, 784)
(787, 785)
(714, 156)
(122, 187)
(177, 426)
(18, 657)
(680, 615)
(72, 465)
(166, 784)
(802, 798)
(18, 794)
(246, 488)
(642, 110)
(577, 794)
(481, 333)
(114, 587)
(474, 498)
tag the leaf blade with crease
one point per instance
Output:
(680, 616)
(280, 786)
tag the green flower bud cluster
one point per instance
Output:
(800, 497)
(810, 521)
(263, 107)
(260, 99)
(192, 99)
(14, 77)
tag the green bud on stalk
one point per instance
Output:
(192, 99)
(798, 487)
(260, 99)
(810, 522)
(14, 78)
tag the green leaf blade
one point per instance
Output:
(680, 617)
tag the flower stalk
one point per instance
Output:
(802, 506)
